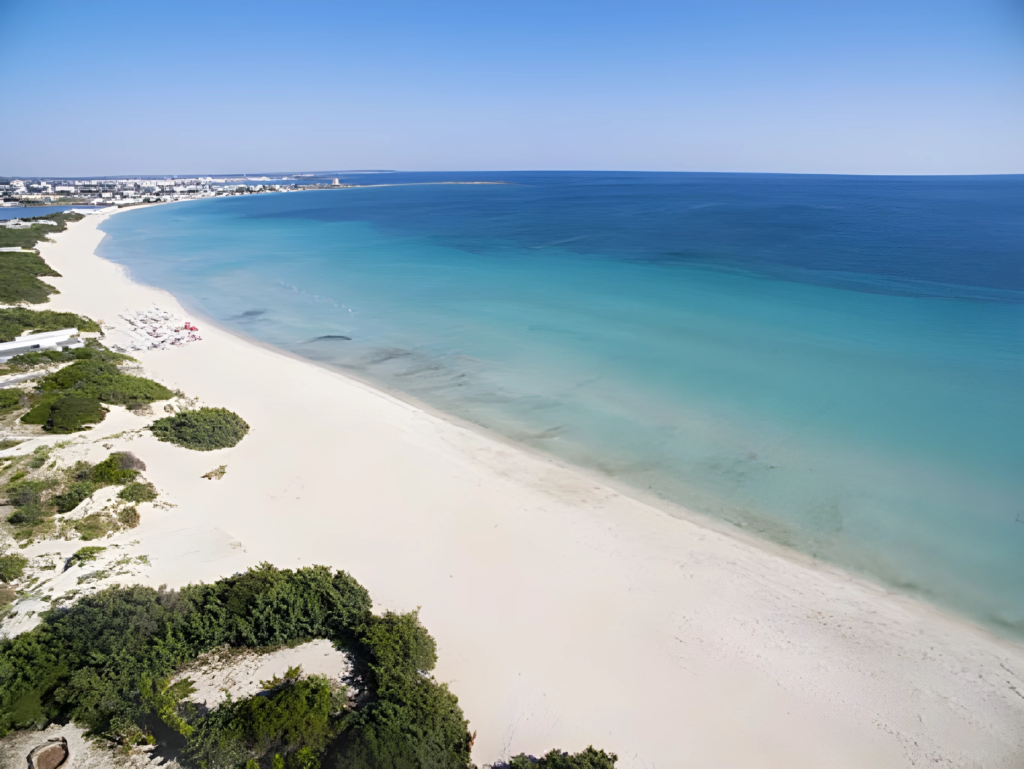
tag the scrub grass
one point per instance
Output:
(204, 429)
(72, 398)
(16, 320)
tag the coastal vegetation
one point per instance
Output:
(556, 759)
(20, 272)
(138, 492)
(66, 413)
(103, 380)
(39, 230)
(12, 566)
(203, 429)
(73, 397)
(92, 350)
(9, 398)
(85, 555)
(106, 663)
(38, 494)
(19, 278)
(16, 320)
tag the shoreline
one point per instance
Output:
(656, 636)
(658, 504)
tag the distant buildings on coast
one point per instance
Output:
(126, 192)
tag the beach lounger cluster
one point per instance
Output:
(156, 329)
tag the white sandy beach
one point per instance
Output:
(566, 613)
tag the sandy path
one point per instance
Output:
(565, 612)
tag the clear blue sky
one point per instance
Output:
(104, 88)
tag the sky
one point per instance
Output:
(860, 87)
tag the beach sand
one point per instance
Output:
(566, 613)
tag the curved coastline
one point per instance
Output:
(700, 629)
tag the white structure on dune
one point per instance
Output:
(44, 340)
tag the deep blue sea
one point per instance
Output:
(832, 363)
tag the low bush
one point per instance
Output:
(293, 723)
(25, 492)
(115, 470)
(103, 380)
(29, 515)
(9, 398)
(76, 493)
(95, 526)
(40, 411)
(118, 469)
(39, 457)
(28, 237)
(85, 555)
(556, 759)
(204, 429)
(106, 661)
(12, 566)
(16, 320)
(129, 516)
(71, 397)
(72, 413)
(92, 351)
(19, 278)
(131, 462)
(138, 492)
(64, 413)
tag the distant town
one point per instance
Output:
(127, 192)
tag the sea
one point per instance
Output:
(831, 363)
(25, 212)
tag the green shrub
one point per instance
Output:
(129, 517)
(16, 320)
(36, 358)
(138, 492)
(27, 238)
(93, 662)
(40, 411)
(12, 566)
(556, 759)
(9, 398)
(95, 526)
(295, 717)
(117, 469)
(75, 494)
(85, 555)
(205, 429)
(113, 471)
(39, 457)
(72, 413)
(19, 277)
(22, 492)
(60, 413)
(103, 380)
(92, 350)
(29, 515)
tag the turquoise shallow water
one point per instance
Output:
(835, 364)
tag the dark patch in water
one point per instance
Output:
(329, 337)
(249, 315)
(385, 355)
